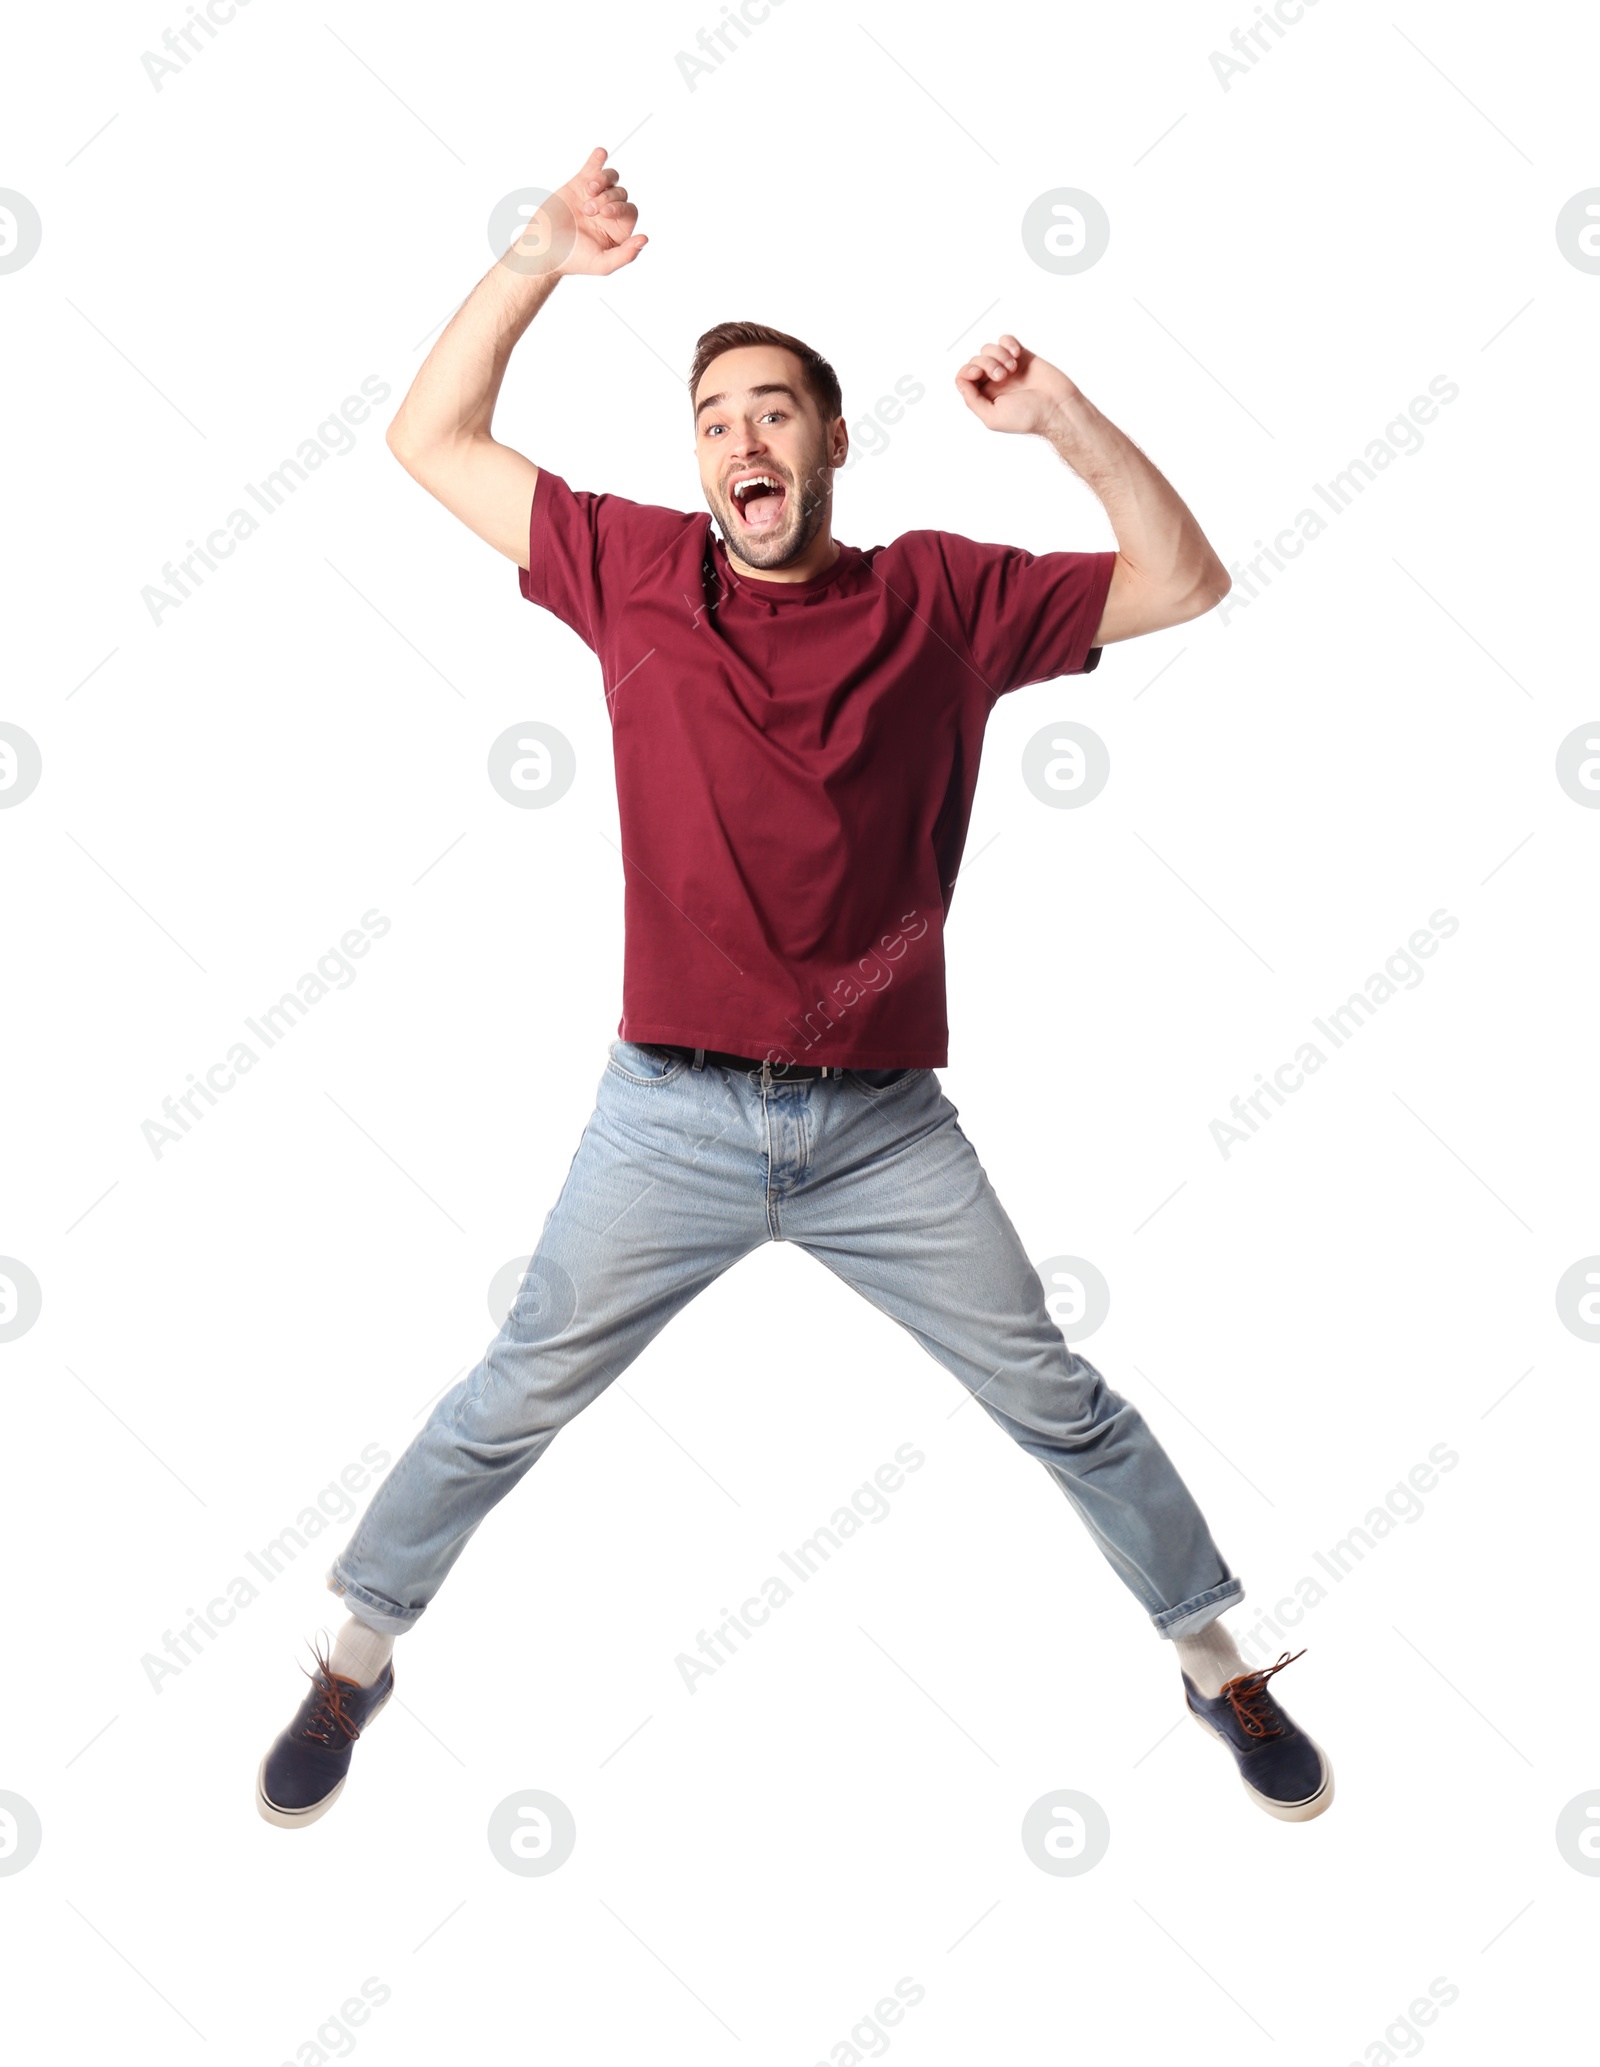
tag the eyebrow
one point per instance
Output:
(767, 387)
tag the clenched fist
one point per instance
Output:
(584, 227)
(1013, 389)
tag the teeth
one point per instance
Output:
(742, 488)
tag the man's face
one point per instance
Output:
(756, 422)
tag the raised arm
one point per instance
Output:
(442, 433)
(1166, 571)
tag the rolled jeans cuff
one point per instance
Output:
(1189, 1617)
(371, 1608)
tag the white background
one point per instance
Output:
(1292, 793)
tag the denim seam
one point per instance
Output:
(1230, 1590)
(373, 1601)
(771, 1202)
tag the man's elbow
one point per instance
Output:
(427, 460)
(1203, 594)
(401, 442)
(1137, 605)
(414, 442)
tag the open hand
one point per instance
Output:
(584, 227)
(1010, 388)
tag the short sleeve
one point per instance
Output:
(1027, 617)
(586, 552)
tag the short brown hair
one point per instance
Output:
(821, 381)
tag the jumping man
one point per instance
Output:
(796, 727)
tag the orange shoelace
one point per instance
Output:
(1247, 1696)
(330, 1708)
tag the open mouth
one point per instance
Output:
(758, 499)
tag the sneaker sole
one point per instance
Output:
(292, 1819)
(296, 1819)
(1284, 1811)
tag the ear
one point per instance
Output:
(838, 442)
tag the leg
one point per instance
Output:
(663, 1194)
(898, 1205)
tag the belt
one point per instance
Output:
(752, 1065)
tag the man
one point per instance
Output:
(796, 727)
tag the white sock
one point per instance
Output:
(1210, 1657)
(360, 1653)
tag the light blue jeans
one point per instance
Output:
(680, 1172)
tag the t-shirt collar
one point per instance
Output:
(780, 591)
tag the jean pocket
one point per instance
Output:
(639, 1064)
(879, 1083)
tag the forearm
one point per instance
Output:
(1156, 533)
(456, 387)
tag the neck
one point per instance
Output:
(817, 558)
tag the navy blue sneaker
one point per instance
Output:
(1283, 1771)
(305, 1768)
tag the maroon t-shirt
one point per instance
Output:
(796, 763)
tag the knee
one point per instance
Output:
(522, 1390)
(1077, 1406)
